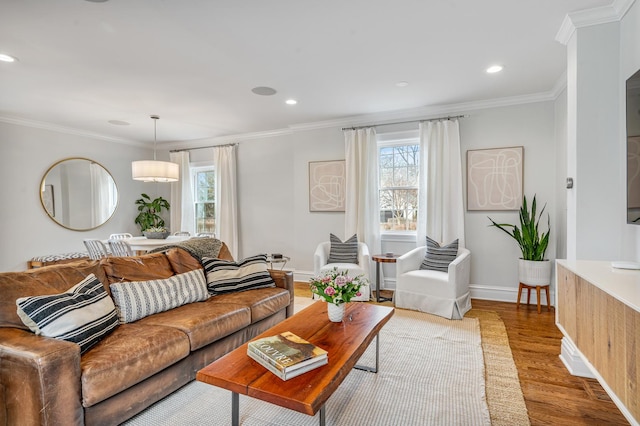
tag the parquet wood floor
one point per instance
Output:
(552, 395)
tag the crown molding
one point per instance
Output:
(66, 130)
(222, 140)
(423, 113)
(588, 17)
(420, 113)
(560, 85)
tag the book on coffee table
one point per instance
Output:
(287, 355)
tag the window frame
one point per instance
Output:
(194, 186)
(403, 138)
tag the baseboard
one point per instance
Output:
(572, 359)
(498, 294)
(504, 294)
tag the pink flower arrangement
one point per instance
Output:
(337, 286)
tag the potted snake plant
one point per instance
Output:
(533, 268)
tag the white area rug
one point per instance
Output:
(431, 373)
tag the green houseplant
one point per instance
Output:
(532, 242)
(533, 269)
(149, 212)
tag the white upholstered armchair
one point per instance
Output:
(320, 265)
(440, 293)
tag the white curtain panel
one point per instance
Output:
(440, 198)
(182, 211)
(362, 212)
(100, 202)
(224, 159)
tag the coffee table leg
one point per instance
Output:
(378, 273)
(235, 409)
(322, 416)
(371, 369)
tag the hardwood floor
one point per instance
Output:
(552, 395)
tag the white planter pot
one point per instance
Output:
(534, 272)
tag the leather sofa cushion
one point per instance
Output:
(263, 302)
(52, 279)
(203, 322)
(132, 353)
(181, 260)
(153, 266)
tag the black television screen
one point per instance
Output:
(633, 149)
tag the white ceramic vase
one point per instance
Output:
(336, 312)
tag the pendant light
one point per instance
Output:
(155, 171)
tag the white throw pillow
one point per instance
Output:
(138, 299)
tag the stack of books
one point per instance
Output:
(287, 355)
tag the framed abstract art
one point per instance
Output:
(494, 178)
(327, 186)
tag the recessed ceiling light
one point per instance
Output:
(402, 83)
(494, 69)
(7, 58)
(264, 91)
(290, 102)
(119, 122)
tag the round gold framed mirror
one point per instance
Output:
(79, 194)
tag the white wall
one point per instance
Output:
(494, 255)
(273, 192)
(599, 60)
(629, 64)
(274, 203)
(560, 121)
(597, 198)
(25, 155)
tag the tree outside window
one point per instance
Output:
(399, 173)
(205, 200)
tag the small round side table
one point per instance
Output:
(380, 259)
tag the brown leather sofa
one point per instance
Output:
(45, 381)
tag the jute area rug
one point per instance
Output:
(432, 372)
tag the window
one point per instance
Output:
(204, 179)
(399, 169)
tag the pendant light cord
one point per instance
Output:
(155, 134)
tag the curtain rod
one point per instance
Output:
(203, 147)
(449, 117)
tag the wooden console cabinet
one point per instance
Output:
(598, 311)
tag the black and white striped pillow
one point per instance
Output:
(438, 258)
(138, 299)
(224, 276)
(84, 314)
(343, 252)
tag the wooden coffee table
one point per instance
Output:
(345, 342)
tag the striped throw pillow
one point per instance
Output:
(138, 299)
(438, 258)
(84, 314)
(343, 252)
(224, 276)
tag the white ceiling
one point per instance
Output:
(194, 62)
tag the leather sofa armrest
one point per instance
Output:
(284, 279)
(39, 380)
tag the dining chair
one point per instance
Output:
(206, 234)
(182, 234)
(120, 236)
(120, 248)
(96, 248)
